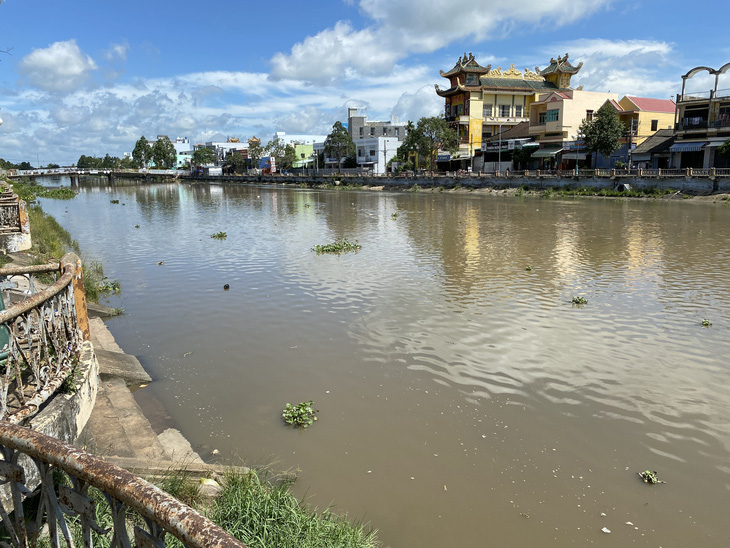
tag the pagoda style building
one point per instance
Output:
(482, 101)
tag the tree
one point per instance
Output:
(236, 161)
(339, 144)
(290, 156)
(203, 156)
(427, 137)
(142, 152)
(602, 134)
(275, 148)
(163, 153)
(255, 152)
(724, 149)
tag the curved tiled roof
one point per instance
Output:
(466, 64)
(560, 64)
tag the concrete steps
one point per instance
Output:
(117, 427)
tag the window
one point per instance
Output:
(654, 125)
(472, 79)
(360, 152)
(552, 115)
(541, 119)
(589, 115)
(504, 110)
(487, 111)
(396, 132)
(385, 130)
(372, 152)
(372, 131)
(362, 131)
(518, 110)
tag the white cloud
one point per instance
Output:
(402, 27)
(62, 66)
(117, 52)
(625, 67)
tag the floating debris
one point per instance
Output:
(650, 477)
(579, 300)
(606, 530)
(528, 268)
(161, 263)
(226, 287)
(706, 323)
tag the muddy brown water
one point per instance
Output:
(463, 399)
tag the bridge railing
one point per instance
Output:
(63, 499)
(40, 336)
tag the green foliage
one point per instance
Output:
(265, 514)
(430, 135)
(649, 477)
(96, 284)
(275, 148)
(163, 153)
(142, 152)
(299, 415)
(236, 161)
(28, 191)
(337, 247)
(521, 156)
(339, 144)
(219, 236)
(255, 152)
(579, 300)
(50, 240)
(204, 156)
(528, 268)
(69, 384)
(706, 323)
(724, 149)
(602, 134)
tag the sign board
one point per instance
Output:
(273, 165)
(511, 144)
(443, 157)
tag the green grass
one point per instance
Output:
(261, 513)
(652, 192)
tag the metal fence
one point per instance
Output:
(40, 336)
(62, 502)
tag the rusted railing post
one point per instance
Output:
(71, 260)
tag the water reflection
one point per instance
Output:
(434, 354)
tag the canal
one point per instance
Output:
(463, 399)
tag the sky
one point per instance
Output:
(91, 76)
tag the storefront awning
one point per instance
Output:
(687, 147)
(545, 153)
(713, 144)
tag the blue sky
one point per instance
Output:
(91, 76)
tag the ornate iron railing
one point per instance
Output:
(62, 502)
(40, 336)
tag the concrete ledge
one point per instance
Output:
(123, 366)
(146, 467)
(65, 415)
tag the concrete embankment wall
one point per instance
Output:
(690, 185)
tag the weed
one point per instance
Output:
(548, 193)
(706, 323)
(219, 236)
(528, 268)
(394, 216)
(299, 415)
(337, 247)
(113, 201)
(579, 300)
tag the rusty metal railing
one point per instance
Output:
(138, 510)
(40, 336)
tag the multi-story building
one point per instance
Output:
(359, 127)
(375, 152)
(702, 122)
(555, 120)
(480, 102)
(642, 117)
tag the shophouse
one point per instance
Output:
(702, 121)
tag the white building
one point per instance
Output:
(375, 152)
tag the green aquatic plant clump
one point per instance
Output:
(219, 236)
(340, 246)
(579, 300)
(706, 323)
(299, 415)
